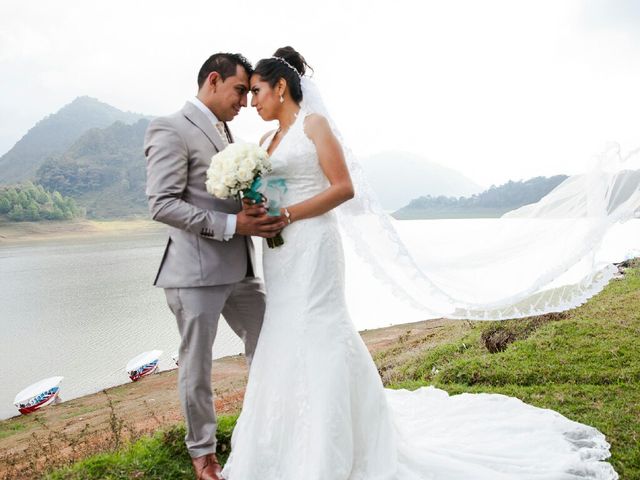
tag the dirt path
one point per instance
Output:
(76, 428)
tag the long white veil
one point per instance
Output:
(540, 258)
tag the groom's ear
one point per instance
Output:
(213, 79)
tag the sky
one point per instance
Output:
(495, 89)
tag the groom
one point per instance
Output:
(207, 268)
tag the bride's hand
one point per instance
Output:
(285, 216)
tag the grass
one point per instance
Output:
(161, 456)
(76, 412)
(6, 430)
(584, 364)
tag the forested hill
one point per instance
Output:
(104, 170)
(55, 133)
(493, 202)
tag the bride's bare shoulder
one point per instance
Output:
(315, 124)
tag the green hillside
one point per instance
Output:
(54, 134)
(104, 171)
(492, 203)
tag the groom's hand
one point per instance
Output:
(256, 222)
(253, 209)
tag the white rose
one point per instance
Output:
(255, 160)
(245, 174)
(228, 165)
(221, 191)
(229, 180)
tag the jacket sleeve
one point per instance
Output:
(167, 176)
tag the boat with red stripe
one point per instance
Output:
(144, 364)
(38, 395)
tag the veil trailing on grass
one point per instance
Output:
(545, 257)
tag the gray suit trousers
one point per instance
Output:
(197, 310)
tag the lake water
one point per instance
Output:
(82, 310)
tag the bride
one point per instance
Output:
(315, 407)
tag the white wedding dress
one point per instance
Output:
(315, 407)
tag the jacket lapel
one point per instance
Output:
(201, 121)
(228, 130)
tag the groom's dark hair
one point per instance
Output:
(225, 64)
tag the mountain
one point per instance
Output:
(491, 203)
(55, 133)
(104, 171)
(399, 177)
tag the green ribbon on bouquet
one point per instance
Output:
(271, 192)
(253, 192)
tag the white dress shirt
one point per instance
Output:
(232, 219)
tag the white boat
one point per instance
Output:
(144, 364)
(38, 395)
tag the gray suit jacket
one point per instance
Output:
(178, 149)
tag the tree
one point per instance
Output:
(12, 195)
(56, 214)
(58, 201)
(23, 199)
(42, 196)
(5, 205)
(32, 212)
(30, 190)
(17, 213)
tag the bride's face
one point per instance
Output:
(264, 99)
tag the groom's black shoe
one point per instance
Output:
(207, 467)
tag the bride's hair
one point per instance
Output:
(286, 63)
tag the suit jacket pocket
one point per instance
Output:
(164, 257)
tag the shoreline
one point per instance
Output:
(226, 367)
(25, 233)
(152, 403)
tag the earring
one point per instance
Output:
(281, 99)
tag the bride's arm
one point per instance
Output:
(334, 166)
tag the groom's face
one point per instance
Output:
(231, 95)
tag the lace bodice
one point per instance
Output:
(296, 161)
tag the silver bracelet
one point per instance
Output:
(287, 214)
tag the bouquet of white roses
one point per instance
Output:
(239, 168)
(235, 168)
